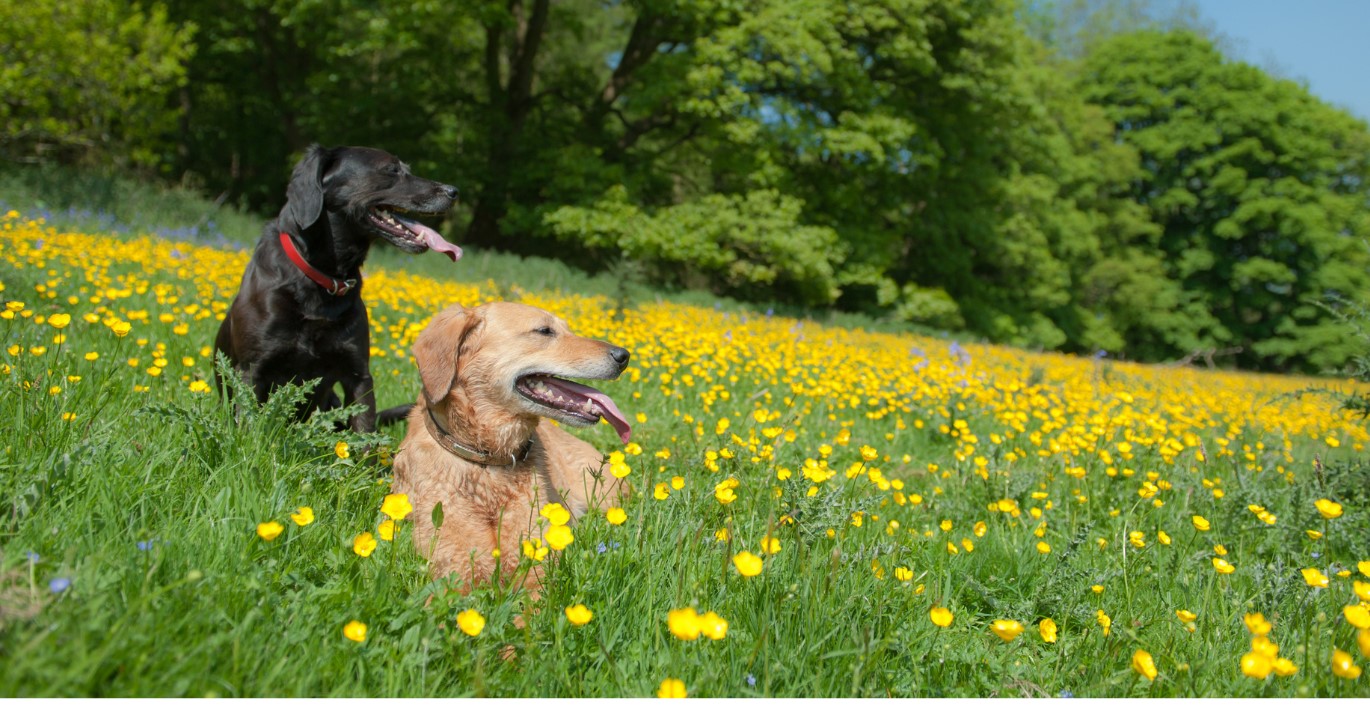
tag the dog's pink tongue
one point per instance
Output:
(430, 238)
(608, 409)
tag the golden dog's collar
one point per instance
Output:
(482, 458)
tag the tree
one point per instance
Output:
(86, 82)
(1261, 193)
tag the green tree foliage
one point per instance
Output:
(87, 82)
(1067, 174)
(1260, 191)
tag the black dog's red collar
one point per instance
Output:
(334, 287)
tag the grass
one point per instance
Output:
(130, 562)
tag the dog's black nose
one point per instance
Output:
(620, 355)
(450, 191)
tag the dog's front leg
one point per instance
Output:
(362, 390)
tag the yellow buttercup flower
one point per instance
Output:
(471, 622)
(1006, 629)
(1357, 615)
(355, 631)
(1256, 665)
(713, 626)
(1255, 623)
(683, 623)
(1315, 578)
(1328, 509)
(556, 514)
(1144, 664)
(941, 616)
(303, 516)
(1047, 628)
(364, 544)
(1363, 642)
(1186, 615)
(661, 492)
(1362, 590)
(59, 320)
(747, 564)
(269, 530)
(396, 506)
(559, 536)
(579, 614)
(770, 545)
(535, 550)
(1223, 566)
(1201, 523)
(341, 450)
(1043, 547)
(1105, 622)
(1284, 667)
(386, 530)
(671, 688)
(1364, 567)
(1343, 666)
(615, 516)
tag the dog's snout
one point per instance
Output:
(620, 355)
(448, 190)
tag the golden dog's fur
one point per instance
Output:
(470, 361)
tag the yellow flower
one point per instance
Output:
(1143, 664)
(1314, 578)
(1364, 567)
(579, 614)
(355, 631)
(1256, 665)
(1223, 566)
(980, 529)
(1104, 621)
(1047, 628)
(946, 526)
(677, 482)
(722, 535)
(1357, 615)
(615, 516)
(683, 623)
(386, 530)
(303, 516)
(671, 688)
(1313, 534)
(471, 622)
(1284, 667)
(556, 514)
(341, 450)
(1201, 523)
(1220, 550)
(269, 530)
(770, 545)
(903, 574)
(1362, 590)
(1006, 629)
(121, 328)
(1327, 508)
(1256, 624)
(1363, 641)
(59, 320)
(868, 453)
(941, 616)
(559, 536)
(200, 387)
(534, 550)
(1264, 646)
(713, 626)
(1043, 547)
(747, 564)
(1097, 589)
(1186, 615)
(661, 492)
(396, 505)
(1162, 537)
(1343, 666)
(364, 544)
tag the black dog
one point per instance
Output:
(299, 313)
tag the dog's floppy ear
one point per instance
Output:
(304, 194)
(439, 347)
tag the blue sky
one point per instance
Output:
(1324, 44)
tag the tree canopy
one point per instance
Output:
(1075, 176)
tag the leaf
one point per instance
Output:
(437, 515)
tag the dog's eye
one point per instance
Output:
(544, 330)
(392, 169)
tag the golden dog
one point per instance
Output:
(477, 441)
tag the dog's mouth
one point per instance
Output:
(576, 403)
(409, 234)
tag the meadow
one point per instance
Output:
(817, 511)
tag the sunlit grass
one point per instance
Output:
(829, 512)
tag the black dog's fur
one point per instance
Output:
(283, 327)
